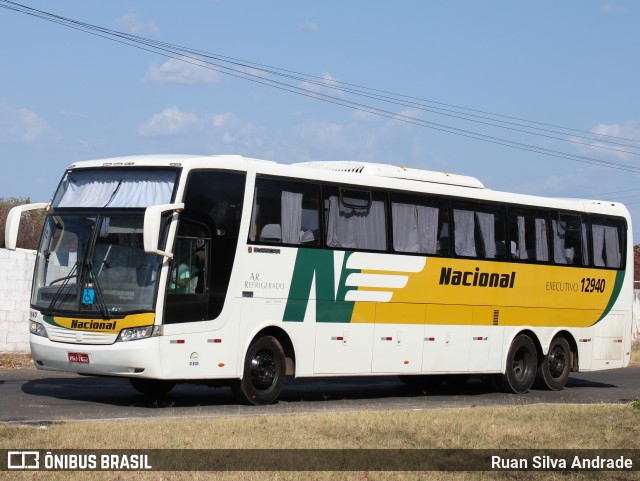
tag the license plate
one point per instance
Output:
(78, 357)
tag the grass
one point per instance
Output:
(516, 427)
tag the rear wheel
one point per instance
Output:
(554, 369)
(522, 364)
(152, 387)
(264, 373)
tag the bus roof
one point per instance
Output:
(363, 173)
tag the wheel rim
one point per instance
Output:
(263, 370)
(557, 361)
(520, 365)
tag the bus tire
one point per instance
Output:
(522, 365)
(264, 373)
(151, 387)
(554, 369)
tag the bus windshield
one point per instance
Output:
(94, 265)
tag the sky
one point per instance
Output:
(67, 96)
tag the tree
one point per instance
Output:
(30, 224)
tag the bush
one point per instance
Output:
(30, 224)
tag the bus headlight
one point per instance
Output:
(136, 333)
(37, 329)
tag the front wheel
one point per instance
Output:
(553, 371)
(263, 374)
(522, 364)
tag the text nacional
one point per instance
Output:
(476, 278)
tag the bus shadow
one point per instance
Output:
(118, 392)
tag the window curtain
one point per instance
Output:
(291, 217)
(464, 232)
(584, 242)
(415, 228)
(542, 243)
(116, 189)
(487, 224)
(356, 228)
(405, 228)
(597, 236)
(612, 246)
(521, 253)
(558, 242)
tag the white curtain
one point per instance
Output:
(612, 246)
(558, 242)
(597, 235)
(291, 217)
(521, 252)
(487, 224)
(584, 243)
(116, 189)
(464, 232)
(356, 228)
(415, 228)
(606, 246)
(405, 228)
(542, 243)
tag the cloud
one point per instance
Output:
(364, 116)
(310, 26)
(610, 8)
(20, 125)
(326, 86)
(170, 122)
(216, 130)
(630, 130)
(183, 71)
(133, 25)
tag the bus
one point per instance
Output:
(226, 270)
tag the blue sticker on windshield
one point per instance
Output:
(88, 296)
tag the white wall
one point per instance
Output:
(16, 271)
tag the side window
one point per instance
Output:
(529, 235)
(569, 233)
(285, 213)
(478, 231)
(355, 219)
(188, 273)
(607, 239)
(420, 226)
(209, 230)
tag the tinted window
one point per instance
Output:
(479, 231)
(285, 213)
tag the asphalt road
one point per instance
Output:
(30, 396)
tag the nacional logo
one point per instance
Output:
(476, 278)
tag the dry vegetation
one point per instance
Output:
(544, 427)
(521, 427)
(30, 224)
(15, 360)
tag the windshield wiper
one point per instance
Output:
(73, 273)
(99, 293)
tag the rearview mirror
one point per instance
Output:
(13, 222)
(152, 222)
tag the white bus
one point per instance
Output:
(223, 269)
